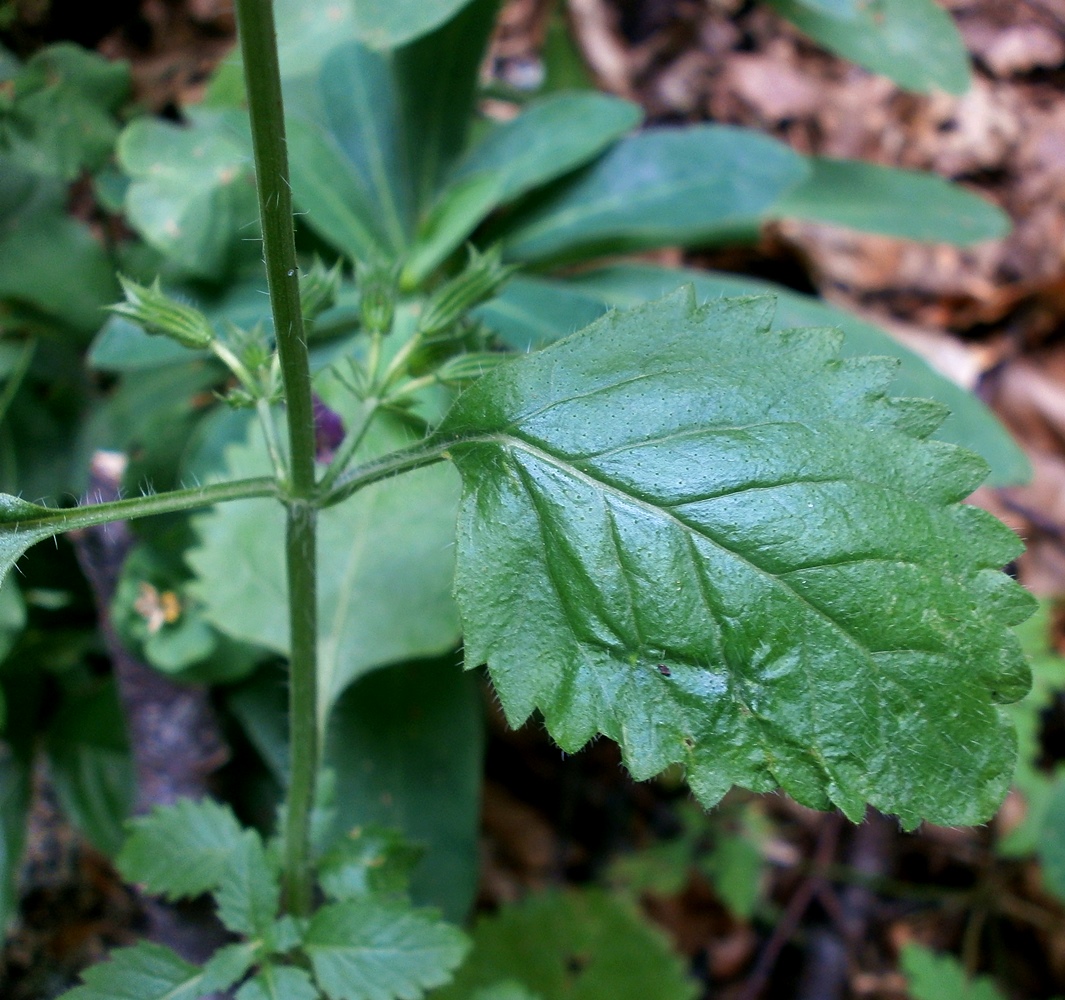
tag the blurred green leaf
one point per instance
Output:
(192, 195)
(60, 119)
(933, 977)
(662, 187)
(47, 259)
(14, 812)
(144, 972)
(12, 622)
(906, 204)
(914, 42)
(530, 312)
(385, 567)
(92, 767)
(369, 860)
(406, 745)
(249, 892)
(387, 24)
(570, 946)
(548, 139)
(436, 80)
(279, 982)
(181, 850)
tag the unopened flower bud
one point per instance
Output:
(479, 280)
(154, 311)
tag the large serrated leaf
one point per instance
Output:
(368, 950)
(181, 850)
(571, 946)
(720, 545)
(970, 424)
(144, 972)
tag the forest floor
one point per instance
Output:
(832, 904)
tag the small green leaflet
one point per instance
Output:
(279, 982)
(931, 977)
(723, 546)
(367, 950)
(249, 893)
(144, 972)
(181, 850)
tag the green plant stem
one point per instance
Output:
(72, 518)
(382, 468)
(352, 439)
(273, 446)
(255, 20)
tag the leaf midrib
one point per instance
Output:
(507, 440)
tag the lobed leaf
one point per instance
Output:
(144, 972)
(184, 849)
(366, 950)
(722, 546)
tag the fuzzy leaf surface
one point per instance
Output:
(181, 850)
(380, 951)
(15, 535)
(145, 972)
(722, 546)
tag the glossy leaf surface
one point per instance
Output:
(571, 946)
(970, 423)
(914, 42)
(367, 950)
(908, 204)
(661, 187)
(720, 545)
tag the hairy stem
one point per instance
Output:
(255, 20)
(71, 518)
